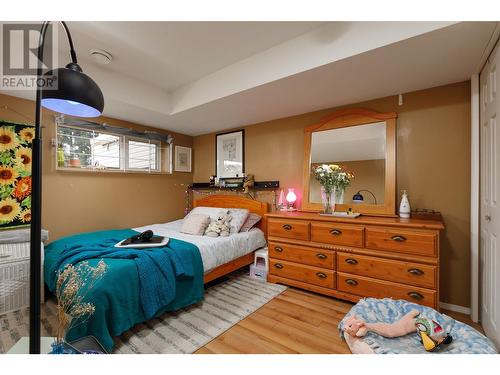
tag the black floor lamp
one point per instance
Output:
(73, 93)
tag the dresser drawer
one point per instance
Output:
(338, 234)
(392, 270)
(301, 254)
(402, 241)
(301, 272)
(368, 287)
(296, 229)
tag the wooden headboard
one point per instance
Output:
(235, 201)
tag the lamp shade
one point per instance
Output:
(358, 198)
(291, 197)
(76, 93)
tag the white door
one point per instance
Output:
(490, 196)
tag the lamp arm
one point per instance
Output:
(36, 196)
(70, 41)
(368, 191)
(41, 43)
(36, 208)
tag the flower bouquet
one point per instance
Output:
(333, 179)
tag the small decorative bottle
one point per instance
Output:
(404, 207)
(281, 200)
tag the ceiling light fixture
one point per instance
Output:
(101, 57)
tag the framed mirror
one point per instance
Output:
(362, 142)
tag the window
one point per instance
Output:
(142, 155)
(79, 148)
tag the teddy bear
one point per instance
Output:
(220, 226)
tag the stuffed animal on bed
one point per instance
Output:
(358, 328)
(219, 227)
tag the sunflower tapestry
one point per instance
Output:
(15, 174)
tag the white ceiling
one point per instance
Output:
(168, 55)
(201, 77)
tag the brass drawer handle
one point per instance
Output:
(336, 232)
(278, 249)
(398, 238)
(278, 265)
(351, 282)
(321, 275)
(416, 271)
(287, 227)
(351, 261)
(416, 296)
(321, 256)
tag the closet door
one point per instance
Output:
(489, 197)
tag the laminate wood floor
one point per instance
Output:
(296, 321)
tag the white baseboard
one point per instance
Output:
(456, 308)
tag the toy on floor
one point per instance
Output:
(432, 335)
(219, 226)
(466, 339)
(358, 328)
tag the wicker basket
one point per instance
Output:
(14, 276)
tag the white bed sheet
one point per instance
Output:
(214, 251)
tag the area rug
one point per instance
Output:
(184, 331)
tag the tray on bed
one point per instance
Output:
(155, 242)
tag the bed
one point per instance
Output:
(259, 208)
(117, 298)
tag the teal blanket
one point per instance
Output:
(138, 284)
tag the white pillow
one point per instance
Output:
(239, 216)
(195, 224)
(213, 212)
(250, 222)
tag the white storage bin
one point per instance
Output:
(14, 276)
(261, 258)
(14, 286)
(258, 273)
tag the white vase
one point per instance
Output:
(404, 207)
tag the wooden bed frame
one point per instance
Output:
(233, 201)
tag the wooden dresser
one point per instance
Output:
(354, 258)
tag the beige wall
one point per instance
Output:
(433, 164)
(82, 201)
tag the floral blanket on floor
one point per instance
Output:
(466, 340)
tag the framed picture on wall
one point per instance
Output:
(230, 154)
(182, 159)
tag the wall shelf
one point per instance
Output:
(202, 188)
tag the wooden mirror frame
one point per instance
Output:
(351, 117)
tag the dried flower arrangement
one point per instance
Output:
(73, 284)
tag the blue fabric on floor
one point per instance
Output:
(466, 340)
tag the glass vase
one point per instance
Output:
(339, 195)
(328, 200)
